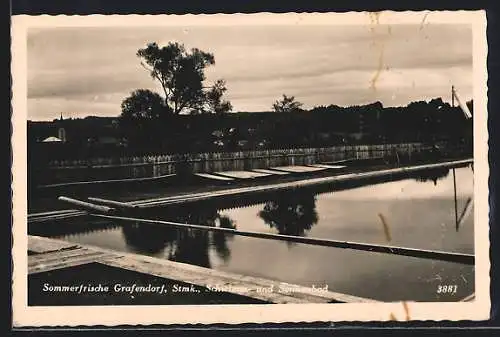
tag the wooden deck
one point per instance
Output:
(268, 187)
(49, 254)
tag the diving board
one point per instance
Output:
(214, 177)
(243, 174)
(270, 171)
(328, 166)
(298, 169)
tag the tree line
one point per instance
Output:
(189, 116)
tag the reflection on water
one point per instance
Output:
(147, 239)
(182, 245)
(433, 175)
(419, 211)
(290, 213)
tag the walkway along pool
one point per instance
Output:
(416, 212)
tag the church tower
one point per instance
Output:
(61, 133)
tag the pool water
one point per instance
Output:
(418, 212)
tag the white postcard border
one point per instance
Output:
(23, 315)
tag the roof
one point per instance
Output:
(51, 139)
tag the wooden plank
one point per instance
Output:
(64, 211)
(60, 256)
(271, 171)
(38, 244)
(243, 174)
(112, 203)
(328, 166)
(404, 251)
(236, 284)
(55, 265)
(214, 177)
(57, 217)
(297, 169)
(87, 205)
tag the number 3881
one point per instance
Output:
(447, 289)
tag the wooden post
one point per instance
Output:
(455, 193)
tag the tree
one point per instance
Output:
(138, 120)
(215, 103)
(287, 104)
(180, 73)
(143, 104)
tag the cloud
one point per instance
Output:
(68, 67)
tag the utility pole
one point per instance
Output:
(452, 96)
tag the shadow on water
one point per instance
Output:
(182, 245)
(290, 213)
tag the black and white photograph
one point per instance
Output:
(250, 168)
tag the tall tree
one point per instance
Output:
(287, 104)
(181, 73)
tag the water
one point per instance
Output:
(419, 213)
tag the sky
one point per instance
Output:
(82, 71)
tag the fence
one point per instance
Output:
(160, 165)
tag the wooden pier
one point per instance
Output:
(47, 254)
(264, 188)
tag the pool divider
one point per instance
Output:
(466, 259)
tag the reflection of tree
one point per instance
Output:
(291, 213)
(220, 239)
(433, 174)
(147, 238)
(183, 245)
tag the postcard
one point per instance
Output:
(250, 168)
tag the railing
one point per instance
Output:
(165, 164)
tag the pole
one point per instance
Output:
(455, 193)
(87, 205)
(452, 96)
(111, 203)
(420, 253)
